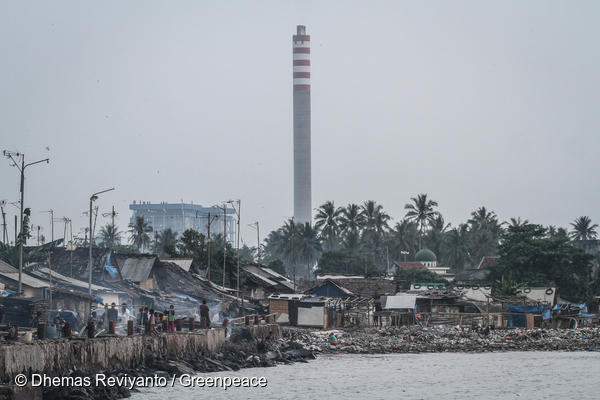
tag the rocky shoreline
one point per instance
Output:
(233, 356)
(443, 339)
(301, 345)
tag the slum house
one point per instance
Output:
(261, 282)
(352, 308)
(315, 312)
(188, 264)
(75, 263)
(279, 305)
(37, 288)
(104, 295)
(139, 269)
(32, 287)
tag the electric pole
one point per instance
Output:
(11, 155)
(238, 212)
(93, 198)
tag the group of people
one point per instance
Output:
(152, 318)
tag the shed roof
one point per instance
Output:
(183, 263)
(27, 280)
(138, 269)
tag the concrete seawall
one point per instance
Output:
(58, 357)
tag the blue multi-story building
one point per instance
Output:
(181, 216)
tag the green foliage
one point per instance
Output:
(529, 256)
(167, 243)
(110, 236)
(506, 286)
(277, 266)
(139, 231)
(406, 277)
(341, 262)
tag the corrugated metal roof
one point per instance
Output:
(137, 269)
(183, 263)
(26, 279)
(5, 267)
(71, 281)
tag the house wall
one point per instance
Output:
(36, 293)
(329, 290)
(149, 284)
(81, 305)
(311, 316)
(279, 307)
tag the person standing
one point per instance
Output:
(171, 318)
(204, 316)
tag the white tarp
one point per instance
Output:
(310, 316)
(400, 301)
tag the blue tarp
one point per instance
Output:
(98, 299)
(112, 271)
(184, 297)
(519, 320)
(6, 292)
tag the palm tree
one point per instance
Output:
(435, 236)
(376, 224)
(351, 219)
(139, 233)
(403, 237)
(482, 217)
(583, 229)
(517, 222)
(309, 245)
(327, 221)
(422, 212)
(456, 247)
(110, 235)
(167, 243)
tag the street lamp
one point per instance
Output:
(12, 155)
(238, 212)
(93, 198)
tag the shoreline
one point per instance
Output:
(303, 345)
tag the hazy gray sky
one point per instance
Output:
(473, 102)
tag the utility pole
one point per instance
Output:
(293, 258)
(112, 215)
(224, 208)
(255, 226)
(4, 231)
(12, 155)
(51, 212)
(50, 274)
(38, 234)
(238, 212)
(93, 198)
(210, 220)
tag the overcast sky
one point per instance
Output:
(473, 102)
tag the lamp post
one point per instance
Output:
(238, 212)
(11, 155)
(93, 198)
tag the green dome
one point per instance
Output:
(425, 255)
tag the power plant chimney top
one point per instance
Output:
(301, 30)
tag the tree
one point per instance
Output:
(139, 233)
(421, 211)
(530, 257)
(583, 229)
(327, 221)
(351, 219)
(339, 262)
(456, 242)
(167, 243)
(277, 266)
(192, 244)
(435, 235)
(110, 236)
(309, 246)
(403, 237)
(376, 225)
(417, 275)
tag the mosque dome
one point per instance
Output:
(425, 255)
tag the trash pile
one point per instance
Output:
(443, 339)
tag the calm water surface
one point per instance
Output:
(512, 375)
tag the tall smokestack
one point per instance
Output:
(302, 181)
